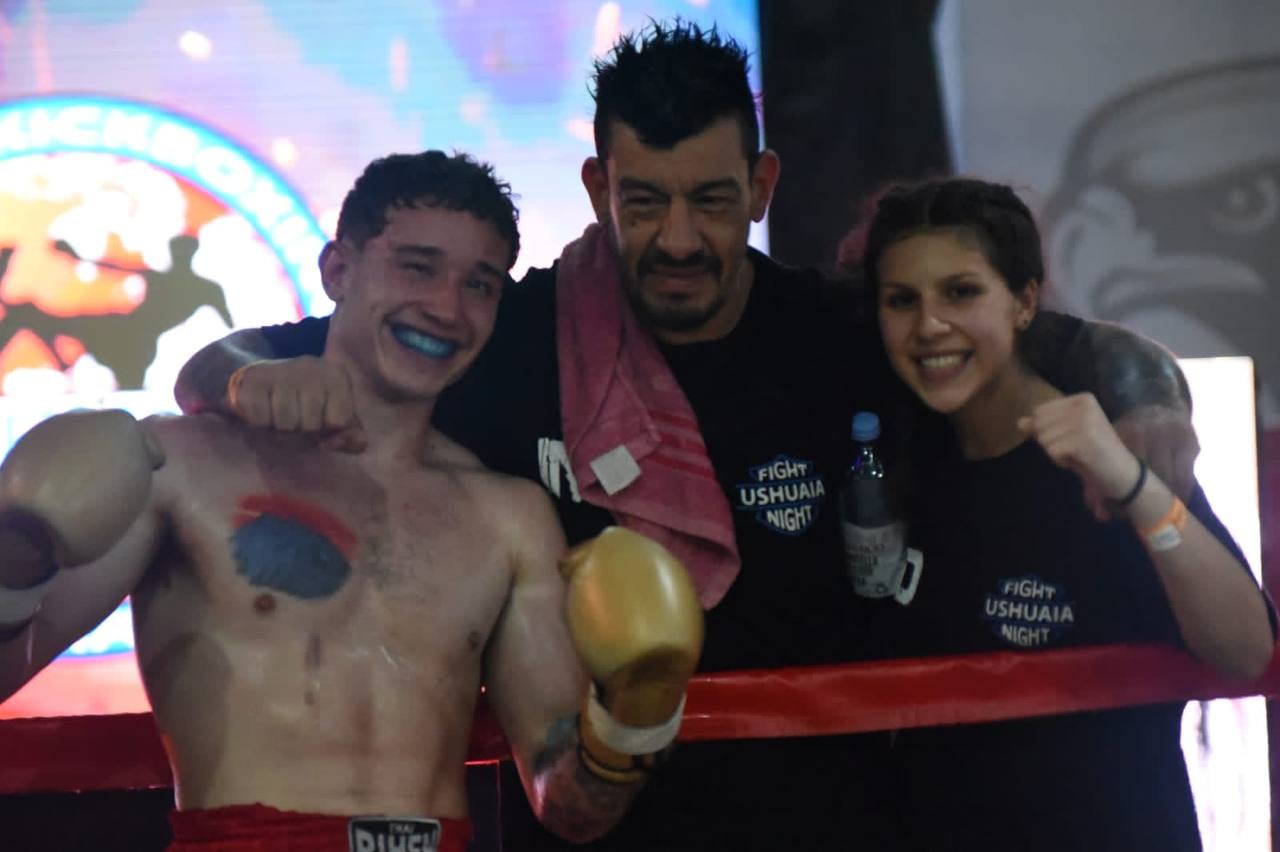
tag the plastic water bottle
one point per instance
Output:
(874, 533)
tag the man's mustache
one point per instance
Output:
(700, 262)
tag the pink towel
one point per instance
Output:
(631, 436)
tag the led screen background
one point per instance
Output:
(169, 170)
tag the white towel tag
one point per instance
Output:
(615, 469)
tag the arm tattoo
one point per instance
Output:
(571, 801)
(1122, 369)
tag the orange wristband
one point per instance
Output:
(233, 387)
(1166, 533)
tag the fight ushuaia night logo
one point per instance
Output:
(1028, 612)
(131, 236)
(785, 494)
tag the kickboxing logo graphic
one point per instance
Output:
(1027, 612)
(784, 493)
(130, 237)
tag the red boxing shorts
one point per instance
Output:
(258, 828)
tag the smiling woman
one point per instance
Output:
(1017, 557)
(950, 323)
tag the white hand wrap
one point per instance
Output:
(20, 605)
(625, 739)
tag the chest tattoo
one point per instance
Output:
(291, 546)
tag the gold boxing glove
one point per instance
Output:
(635, 618)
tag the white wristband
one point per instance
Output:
(21, 605)
(1164, 539)
(625, 739)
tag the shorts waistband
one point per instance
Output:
(260, 828)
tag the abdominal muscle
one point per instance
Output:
(349, 706)
(360, 734)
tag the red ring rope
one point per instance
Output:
(124, 751)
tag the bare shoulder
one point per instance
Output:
(514, 500)
(184, 428)
(523, 500)
(193, 445)
(517, 510)
(192, 440)
(513, 496)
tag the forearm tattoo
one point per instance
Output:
(571, 800)
(1123, 369)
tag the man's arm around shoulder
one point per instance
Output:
(203, 381)
(275, 378)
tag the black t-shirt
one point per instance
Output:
(1013, 560)
(773, 401)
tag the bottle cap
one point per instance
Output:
(866, 426)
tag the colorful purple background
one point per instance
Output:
(322, 88)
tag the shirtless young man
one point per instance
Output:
(313, 627)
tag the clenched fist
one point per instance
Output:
(1076, 435)
(305, 394)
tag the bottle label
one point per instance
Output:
(874, 557)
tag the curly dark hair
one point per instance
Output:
(672, 81)
(428, 179)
